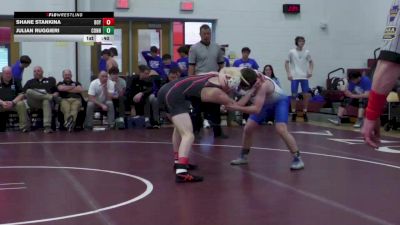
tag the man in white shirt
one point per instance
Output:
(299, 68)
(100, 94)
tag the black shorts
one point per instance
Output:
(359, 103)
(172, 100)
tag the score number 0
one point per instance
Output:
(108, 21)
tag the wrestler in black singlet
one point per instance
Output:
(175, 96)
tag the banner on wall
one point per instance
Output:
(5, 35)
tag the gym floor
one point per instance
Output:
(126, 177)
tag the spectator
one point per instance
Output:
(167, 65)
(143, 92)
(18, 68)
(100, 94)
(113, 51)
(154, 61)
(71, 99)
(183, 61)
(299, 68)
(245, 61)
(227, 63)
(11, 97)
(357, 95)
(105, 55)
(40, 93)
(119, 92)
(111, 62)
(174, 74)
(269, 72)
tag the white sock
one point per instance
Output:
(178, 171)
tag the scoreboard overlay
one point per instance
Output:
(64, 26)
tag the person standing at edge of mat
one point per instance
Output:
(299, 68)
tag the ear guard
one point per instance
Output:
(234, 81)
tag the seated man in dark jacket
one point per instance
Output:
(71, 99)
(142, 92)
(11, 98)
(40, 92)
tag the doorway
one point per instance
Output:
(121, 42)
(147, 34)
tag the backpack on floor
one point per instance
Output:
(120, 123)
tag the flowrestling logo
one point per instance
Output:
(390, 33)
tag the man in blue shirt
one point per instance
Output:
(183, 62)
(105, 55)
(18, 68)
(174, 74)
(356, 94)
(154, 61)
(167, 65)
(227, 63)
(245, 61)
